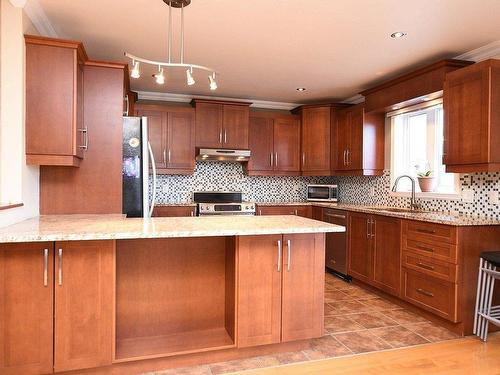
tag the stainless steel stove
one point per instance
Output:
(212, 203)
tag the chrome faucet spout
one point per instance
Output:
(413, 203)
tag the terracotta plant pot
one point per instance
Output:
(426, 183)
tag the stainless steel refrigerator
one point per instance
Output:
(136, 168)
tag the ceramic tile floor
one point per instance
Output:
(356, 321)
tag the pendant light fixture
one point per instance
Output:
(160, 77)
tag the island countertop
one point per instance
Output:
(107, 227)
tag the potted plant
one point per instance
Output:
(426, 181)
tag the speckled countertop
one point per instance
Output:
(429, 216)
(99, 227)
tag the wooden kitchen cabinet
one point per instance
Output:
(171, 134)
(297, 210)
(174, 211)
(221, 124)
(471, 99)
(315, 137)
(26, 308)
(375, 247)
(84, 304)
(286, 302)
(55, 131)
(358, 142)
(274, 141)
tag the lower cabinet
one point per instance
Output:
(174, 211)
(56, 306)
(285, 302)
(26, 308)
(297, 210)
(375, 251)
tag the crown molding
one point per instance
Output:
(18, 3)
(182, 98)
(482, 53)
(356, 99)
(38, 17)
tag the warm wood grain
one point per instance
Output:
(174, 211)
(387, 254)
(96, 186)
(259, 298)
(360, 263)
(303, 286)
(26, 309)
(315, 138)
(261, 144)
(433, 267)
(304, 211)
(180, 140)
(84, 304)
(157, 136)
(235, 123)
(287, 144)
(208, 125)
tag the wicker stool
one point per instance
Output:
(485, 313)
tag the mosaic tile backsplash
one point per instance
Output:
(216, 176)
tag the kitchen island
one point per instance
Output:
(86, 291)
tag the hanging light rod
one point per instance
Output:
(160, 78)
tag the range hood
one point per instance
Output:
(216, 154)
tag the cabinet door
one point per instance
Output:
(342, 129)
(156, 135)
(360, 248)
(303, 286)
(282, 210)
(235, 126)
(180, 140)
(316, 140)
(260, 139)
(387, 254)
(259, 298)
(208, 125)
(466, 118)
(355, 139)
(287, 145)
(174, 211)
(26, 308)
(84, 304)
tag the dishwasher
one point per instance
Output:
(336, 244)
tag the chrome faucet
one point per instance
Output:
(413, 203)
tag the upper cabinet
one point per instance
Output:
(357, 142)
(55, 132)
(221, 124)
(274, 141)
(171, 135)
(472, 118)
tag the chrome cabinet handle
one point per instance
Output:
(125, 113)
(85, 134)
(164, 156)
(279, 256)
(271, 158)
(45, 267)
(424, 248)
(427, 231)
(348, 156)
(367, 228)
(168, 155)
(260, 212)
(295, 212)
(192, 213)
(225, 136)
(276, 158)
(303, 158)
(59, 270)
(334, 215)
(425, 266)
(425, 292)
(344, 158)
(289, 260)
(220, 136)
(372, 228)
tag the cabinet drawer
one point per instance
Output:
(432, 294)
(435, 250)
(439, 269)
(430, 232)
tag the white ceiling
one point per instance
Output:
(265, 49)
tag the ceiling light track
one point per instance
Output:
(160, 77)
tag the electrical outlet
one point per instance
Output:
(468, 195)
(493, 197)
(164, 189)
(372, 191)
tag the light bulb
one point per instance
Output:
(213, 83)
(135, 70)
(189, 77)
(160, 78)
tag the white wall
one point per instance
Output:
(18, 182)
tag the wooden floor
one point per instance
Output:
(461, 356)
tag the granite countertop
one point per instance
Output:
(428, 216)
(104, 227)
(175, 204)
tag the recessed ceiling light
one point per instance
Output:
(300, 89)
(398, 34)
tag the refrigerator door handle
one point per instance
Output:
(153, 164)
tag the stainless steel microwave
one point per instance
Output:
(329, 193)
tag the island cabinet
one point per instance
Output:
(55, 131)
(274, 141)
(174, 211)
(358, 142)
(471, 100)
(221, 124)
(57, 304)
(375, 250)
(285, 302)
(172, 136)
(297, 210)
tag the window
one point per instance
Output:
(417, 146)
